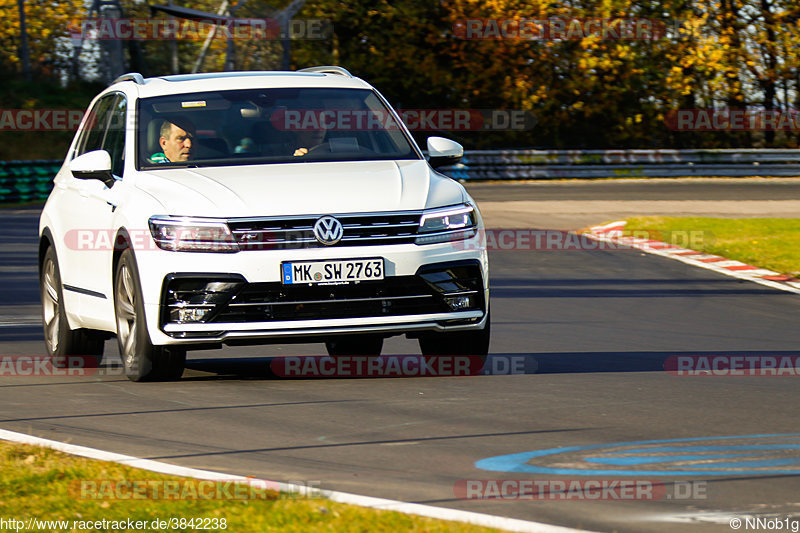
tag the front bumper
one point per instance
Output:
(416, 296)
(222, 307)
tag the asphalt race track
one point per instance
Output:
(587, 333)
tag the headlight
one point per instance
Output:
(447, 224)
(192, 235)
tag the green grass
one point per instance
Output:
(41, 94)
(45, 484)
(772, 243)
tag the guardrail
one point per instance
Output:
(31, 181)
(565, 164)
(27, 181)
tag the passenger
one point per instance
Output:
(246, 146)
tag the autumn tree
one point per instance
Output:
(587, 89)
(47, 31)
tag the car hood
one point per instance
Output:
(300, 188)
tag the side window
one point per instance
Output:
(95, 128)
(114, 142)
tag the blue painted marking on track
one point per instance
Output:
(519, 462)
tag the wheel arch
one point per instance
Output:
(45, 242)
(122, 242)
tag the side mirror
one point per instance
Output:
(94, 165)
(444, 152)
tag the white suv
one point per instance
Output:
(194, 211)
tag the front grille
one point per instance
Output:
(364, 229)
(403, 295)
(227, 298)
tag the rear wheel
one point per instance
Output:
(355, 345)
(59, 339)
(142, 361)
(473, 343)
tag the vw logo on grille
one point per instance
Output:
(328, 230)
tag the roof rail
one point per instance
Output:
(130, 76)
(328, 69)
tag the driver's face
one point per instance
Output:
(310, 138)
(178, 147)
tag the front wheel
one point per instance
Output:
(473, 343)
(59, 339)
(142, 361)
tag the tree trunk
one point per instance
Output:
(24, 53)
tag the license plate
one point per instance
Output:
(332, 271)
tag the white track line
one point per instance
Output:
(599, 233)
(20, 320)
(441, 513)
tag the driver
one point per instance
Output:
(176, 140)
(307, 140)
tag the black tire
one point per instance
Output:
(142, 361)
(355, 345)
(474, 343)
(60, 341)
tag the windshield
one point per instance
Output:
(268, 126)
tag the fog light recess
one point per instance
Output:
(458, 303)
(188, 314)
